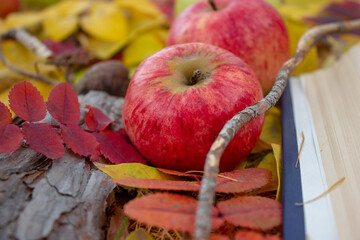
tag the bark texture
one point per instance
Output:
(55, 199)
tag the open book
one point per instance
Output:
(326, 107)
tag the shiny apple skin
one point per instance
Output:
(173, 124)
(251, 29)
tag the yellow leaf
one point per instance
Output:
(133, 170)
(139, 234)
(23, 19)
(101, 49)
(140, 9)
(59, 29)
(273, 162)
(144, 46)
(66, 8)
(105, 22)
(296, 29)
(278, 157)
(271, 132)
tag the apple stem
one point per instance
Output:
(197, 77)
(212, 4)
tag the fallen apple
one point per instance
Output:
(252, 30)
(8, 6)
(179, 99)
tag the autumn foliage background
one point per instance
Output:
(87, 32)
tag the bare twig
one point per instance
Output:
(208, 183)
(31, 43)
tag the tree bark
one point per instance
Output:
(55, 199)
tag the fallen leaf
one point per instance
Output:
(158, 184)
(10, 137)
(44, 139)
(230, 182)
(246, 180)
(117, 149)
(278, 158)
(252, 212)
(140, 234)
(23, 20)
(271, 132)
(79, 141)
(60, 28)
(169, 211)
(106, 22)
(63, 104)
(133, 170)
(252, 235)
(269, 162)
(5, 114)
(26, 102)
(177, 173)
(144, 46)
(96, 120)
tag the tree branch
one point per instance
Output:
(31, 43)
(208, 183)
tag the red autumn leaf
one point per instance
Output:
(124, 135)
(158, 184)
(79, 141)
(246, 180)
(170, 211)
(5, 114)
(43, 138)
(65, 47)
(116, 149)
(63, 104)
(26, 102)
(177, 173)
(252, 235)
(10, 137)
(96, 120)
(252, 212)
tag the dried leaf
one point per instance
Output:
(10, 137)
(140, 234)
(252, 235)
(79, 141)
(117, 149)
(23, 20)
(5, 114)
(133, 170)
(246, 180)
(26, 102)
(252, 212)
(63, 104)
(96, 120)
(44, 139)
(105, 22)
(158, 184)
(170, 211)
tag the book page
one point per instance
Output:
(334, 97)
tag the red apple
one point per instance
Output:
(8, 6)
(179, 99)
(251, 29)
